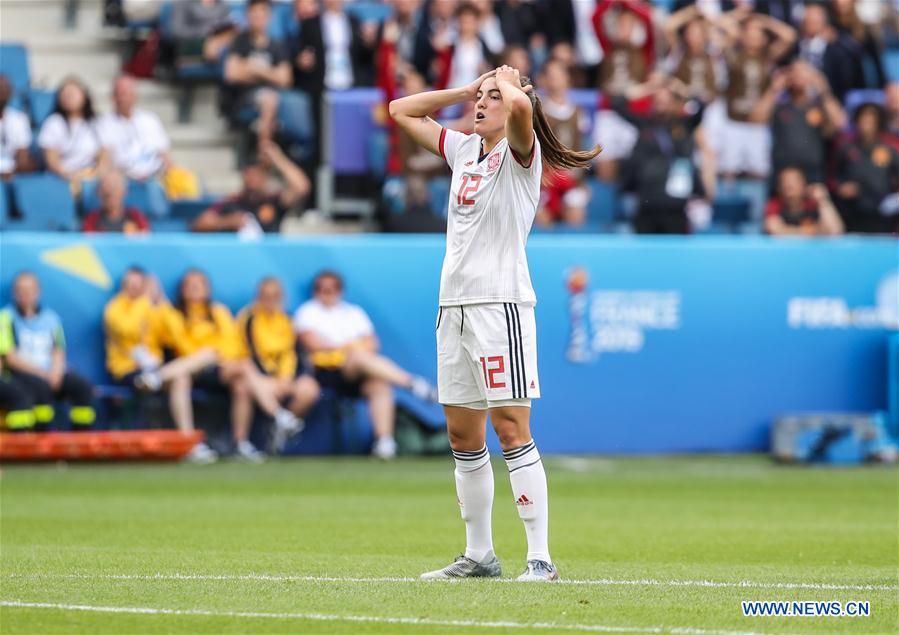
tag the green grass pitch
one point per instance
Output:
(645, 545)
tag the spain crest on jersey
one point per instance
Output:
(493, 162)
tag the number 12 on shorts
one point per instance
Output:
(493, 366)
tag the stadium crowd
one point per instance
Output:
(262, 358)
(782, 107)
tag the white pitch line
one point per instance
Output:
(415, 621)
(742, 584)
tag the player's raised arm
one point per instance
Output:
(412, 113)
(520, 120)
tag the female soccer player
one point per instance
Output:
(486, 334)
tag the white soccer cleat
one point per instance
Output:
(202, 454)
(384, 448)
(463, 567)
(539, 571)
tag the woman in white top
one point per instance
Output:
(486, 331)
(69, 137)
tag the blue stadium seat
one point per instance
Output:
(855, 98)
(45, 202)
(440, 191)
(164, 20)
(368, 11)
(4, 205)
(393, 194)
(891, 64)
(169, 225)
(378, 149)
(40, 103)
(188, 209)
(730, 210)
(14, 64)
(602, 210)
(147, 197)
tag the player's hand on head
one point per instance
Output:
(475, 86)
(508, 74)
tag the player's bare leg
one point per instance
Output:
(474, 489)
(512, 425)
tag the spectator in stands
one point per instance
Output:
(571, 34)
(208, 353)
(37, 357)
(625, 32)
(800, 209)
(489, 26)
(858, 42)
(113, 216)
(15, 141)
(563, 197)
(138, 144)
(868, 175)
(70, 138)
(417, 217)
(819, 46)
(257, 68)
(754, 44)
(344, 349)
(257, 207)
(691, 59)
(405, 21)
(202, 29)
(14, 397)
(802, 121)
(334, 51)
(461, 55)
(661, 169)
(434, 31)
(276, 371)
(516, 57)
(520, 27)
(892, 109)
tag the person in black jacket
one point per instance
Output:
(660, 170)
(333, 51)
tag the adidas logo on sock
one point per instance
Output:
(523, 500)
(533, 385)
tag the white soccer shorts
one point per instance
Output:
(486, 353)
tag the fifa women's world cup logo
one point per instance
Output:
(579, 350)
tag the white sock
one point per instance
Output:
(529, 489)
(474, 488)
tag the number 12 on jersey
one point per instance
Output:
(490, 372)
(469, 185)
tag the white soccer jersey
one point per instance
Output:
(492, 205)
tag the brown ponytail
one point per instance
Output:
(555, 154)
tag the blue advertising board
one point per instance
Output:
(646, 344)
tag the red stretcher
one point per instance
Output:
(130, 445)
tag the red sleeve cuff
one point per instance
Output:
(530, 160)
(441, 143)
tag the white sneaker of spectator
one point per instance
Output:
(202, 454)
(149, 381)
(248, 452)
(287, 425)
(423, 389)
(384, 448)
(145, 359)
